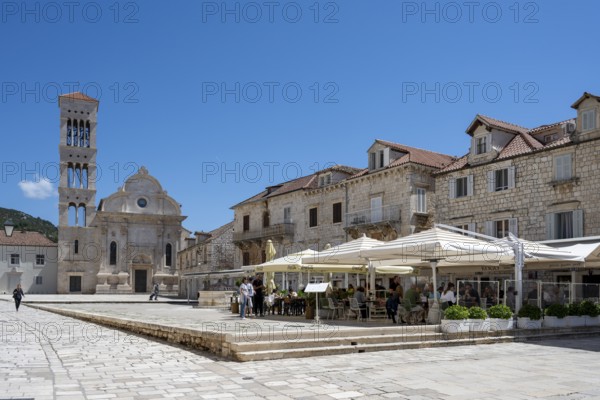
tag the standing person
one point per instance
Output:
(18, 295)
(250, 298)
(259, 297)
(154, 293)
(391, 305)
(243, 298)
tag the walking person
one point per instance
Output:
(154, 293)
(18, 295)
(243, 298)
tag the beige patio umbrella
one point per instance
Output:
(270, 253)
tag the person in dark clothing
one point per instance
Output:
(472, 298)
(154, 294)
(391, 304)
(259, 296)
(18, 295)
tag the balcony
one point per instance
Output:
(382, 222)
(269, 232)
(389, 213)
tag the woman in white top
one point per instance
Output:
(243, 298)
(249, 301)
(448, 296)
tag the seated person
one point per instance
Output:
(471, 296)
(411, 304)
(361, 298)
(350, 290)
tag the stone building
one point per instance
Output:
(28, 258)
(131, 240)
(538, 183)
(204, 256)
(388, 199)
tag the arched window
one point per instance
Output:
(70, 175)
(81, 215)
(76, 247)
(75, 134)
(84, 177)
(168, 254)
(69, 132)
(81, 134)
(113, 254)
(87, 134)
(77, 177)
(72, 215)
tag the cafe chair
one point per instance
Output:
(334, 308)
(355, 309)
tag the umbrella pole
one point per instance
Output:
(434, 310)
(519, 262)
(372, 280)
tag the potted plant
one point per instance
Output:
(455, 319)
(529, 317)
(574, 317)
(554, 316)
(309, 311)
(591, 313)
(500, 317)
(477, 320)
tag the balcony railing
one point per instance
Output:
(389, 213)
(286, 229)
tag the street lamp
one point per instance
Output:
(8, 227)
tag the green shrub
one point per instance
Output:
(477, 313)
(556, 310)
(500, 311)
(456, 312)
(589, 308)
(530, 311)
(574, 310)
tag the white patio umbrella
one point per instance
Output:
(435, 245)
(347, 253)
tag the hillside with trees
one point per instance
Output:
(26, 222)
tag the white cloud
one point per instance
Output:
(40, 189)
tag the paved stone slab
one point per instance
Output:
(47, 356)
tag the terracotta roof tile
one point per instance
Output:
(78, 96)
(560, 142)
(502, 125)
(418, 156)
(360, 173)
(455, 166)
(20, 238)
(542, 128)
(304, 182)
(519, 145)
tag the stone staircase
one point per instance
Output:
(381, 339)
(251, 341)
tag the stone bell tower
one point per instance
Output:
(79, 252)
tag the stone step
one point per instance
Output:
(259, 345)
(359, 348)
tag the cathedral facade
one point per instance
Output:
(127, 243)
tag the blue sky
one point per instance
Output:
(220, 99)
